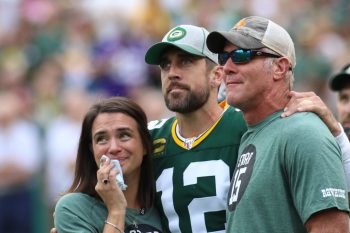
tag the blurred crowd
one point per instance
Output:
(57, 57)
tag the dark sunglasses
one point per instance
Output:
(242, 55)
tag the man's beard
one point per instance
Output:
(186, 103)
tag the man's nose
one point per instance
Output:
(173, 72)
(229, 66)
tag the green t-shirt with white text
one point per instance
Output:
(288, 169)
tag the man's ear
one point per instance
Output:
(216, 76)
(280, 68)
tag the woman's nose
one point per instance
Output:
(114, 146)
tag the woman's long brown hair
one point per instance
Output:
(85, 168)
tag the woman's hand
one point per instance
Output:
(108, 189)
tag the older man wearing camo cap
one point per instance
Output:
(289, 175)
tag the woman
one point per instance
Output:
(117, 128)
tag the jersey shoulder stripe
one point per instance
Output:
(227, 130)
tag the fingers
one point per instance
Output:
(104, 160)
(298, 105)
(113, 174)
(105, 170)
(301, 94)
(310, 102)
(106, 176)
(111, 177)
(304, 102)
(106, 184)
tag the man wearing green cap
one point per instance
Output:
(195, 151)
(289, 176)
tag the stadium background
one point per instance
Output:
(57, 57)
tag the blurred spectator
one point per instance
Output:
(47, 90)
(78, 38)
(150, 19)
(151, 100)
(13, 70)
(42, 18)
(62, 141)
(19, 162)
(118, 64)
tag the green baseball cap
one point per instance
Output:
(189, 38)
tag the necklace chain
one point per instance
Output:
(130, 217)
(188, 142)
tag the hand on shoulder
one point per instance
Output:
(310, 102)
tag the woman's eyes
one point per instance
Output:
(124, 136)
(121, 136)
(101, 140)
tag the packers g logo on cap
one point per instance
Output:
(176, 34)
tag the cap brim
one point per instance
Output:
(216, 41)
(340, 81)
(154, 53)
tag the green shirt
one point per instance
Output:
(193, 177)
(288, 169)
(78, 212)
